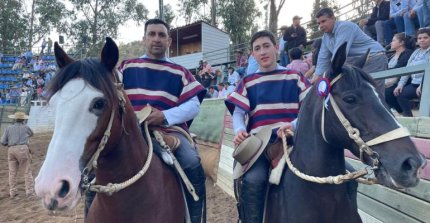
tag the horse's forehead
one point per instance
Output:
(76, 89)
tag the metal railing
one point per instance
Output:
(425, 93)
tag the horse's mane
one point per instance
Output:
(91, 70)
(348, 72)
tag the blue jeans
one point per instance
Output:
(410, 24)
(284, 59)
(186, 154)
(420, 15)
(426, 13)
(396, 23)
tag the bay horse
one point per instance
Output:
(319, 149)
(88, 101)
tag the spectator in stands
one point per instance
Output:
(206, 74)
(295, 35)
(213, 93)
(222, 90)
(403, 47)
(16, 137)
(404, 91)
(220, 77)
(43, 46)
(410, 17)
(283, 55)
(374, 26)
(316, 45)
(241, 62)
(49, 45)
(24, 95)
(14, 95)
(232, 79)
(297, 62)
(395, 22)
(28, 56)
(252, 65)
(418, 11)
(338, 32)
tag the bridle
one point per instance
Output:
(354, 134)
(92, 163)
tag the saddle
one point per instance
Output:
(172, 141)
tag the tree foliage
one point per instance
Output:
(274, 10)
(238, 18)
(169, 14)
(13, 24)
(93, 20)
(192, 10)
(47, 16)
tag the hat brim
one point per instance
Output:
(14, 117)
(239, 169)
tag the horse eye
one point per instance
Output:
(98, 105)
(349, 99)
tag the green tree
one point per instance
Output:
(12, 24)
(93, 20)
(194, 10)
(313, 25)
(169, 14)
(274, 11)
(45, 16)
(238, 17)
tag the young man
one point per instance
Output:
(338, 32)
(16, 138)
(270, 98)
(175, 98)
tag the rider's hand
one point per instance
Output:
(287, 129)
(240, 137)
(156, 117)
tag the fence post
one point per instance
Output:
(425, 104)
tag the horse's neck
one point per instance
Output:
(311, 152)
(126, 159)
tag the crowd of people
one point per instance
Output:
(393, 31)
(31, 75)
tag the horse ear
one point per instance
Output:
(362, 60)
(338, 61)
(61, 57)
(110, 54)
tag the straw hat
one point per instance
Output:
(19, 115)
(249, 150)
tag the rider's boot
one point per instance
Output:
(197, 178)
(252, 198)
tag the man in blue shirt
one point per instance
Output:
(396, 21)
(426, 13)
(338, 32)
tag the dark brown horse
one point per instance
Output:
(397, 161)
(85, 97)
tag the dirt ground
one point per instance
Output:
(220, 206)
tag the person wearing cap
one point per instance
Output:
(358, 43)
(295, 35)
(16, 137)
(283, 55)
(270, 98)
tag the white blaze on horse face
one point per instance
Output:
(382, 104)
(73, 124)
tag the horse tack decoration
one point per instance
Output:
(96, 130)
(306, 193)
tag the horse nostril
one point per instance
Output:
(64, 190)
(409, 165)
(53, 205)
